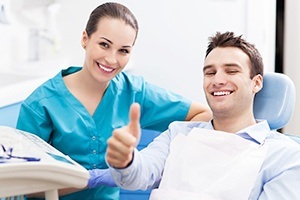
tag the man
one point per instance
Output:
(234, 156)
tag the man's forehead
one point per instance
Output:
(226, 56)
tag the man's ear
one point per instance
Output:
(258, 83)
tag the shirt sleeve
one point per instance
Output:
(146, 169)
(31, 122)
(145, 172)
(286, 184)
(160, 107)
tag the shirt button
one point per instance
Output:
(94, 138)
(94, 166)
(94, 151)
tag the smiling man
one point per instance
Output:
(233, 156)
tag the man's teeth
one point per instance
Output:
(106, 69)
(221, 93)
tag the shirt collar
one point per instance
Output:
(257, 132)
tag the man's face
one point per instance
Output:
(228, 88)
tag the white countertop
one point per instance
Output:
(36, 167)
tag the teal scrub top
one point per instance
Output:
(55, 115)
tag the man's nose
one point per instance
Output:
(220, 78)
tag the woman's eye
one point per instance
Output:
(125, 51)
(103, 44)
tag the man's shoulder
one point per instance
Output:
(280, 142)
(276, 136)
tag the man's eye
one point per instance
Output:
(232, 71)
(209, 73)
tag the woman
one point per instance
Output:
(77, 110)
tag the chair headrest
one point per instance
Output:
(276, 101)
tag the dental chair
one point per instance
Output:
(275, 103)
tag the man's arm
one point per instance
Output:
(133, 169)
(286, 184)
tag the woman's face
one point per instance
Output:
(108, 49)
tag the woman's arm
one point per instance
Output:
(198, 112)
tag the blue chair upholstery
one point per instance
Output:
(276, 101)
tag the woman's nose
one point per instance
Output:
(111, 57)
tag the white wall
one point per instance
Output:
(173, 35)
(291, 57)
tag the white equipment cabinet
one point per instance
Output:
(30, 165)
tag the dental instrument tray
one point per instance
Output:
(28, 164)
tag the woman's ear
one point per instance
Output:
(258, 83)
(84, 39)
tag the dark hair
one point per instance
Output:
(228, 39)
(112, 10)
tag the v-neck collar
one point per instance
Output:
(73, 101)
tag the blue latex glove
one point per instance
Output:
(100, 177)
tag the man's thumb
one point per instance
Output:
(134, 123)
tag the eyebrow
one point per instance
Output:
(207, 67)
(109, 41)
(226, 65)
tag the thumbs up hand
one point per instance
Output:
(124, 140)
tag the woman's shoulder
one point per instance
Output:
(46, 89)
(128, 81)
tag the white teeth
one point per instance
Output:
(105, 69)
(221, 93)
